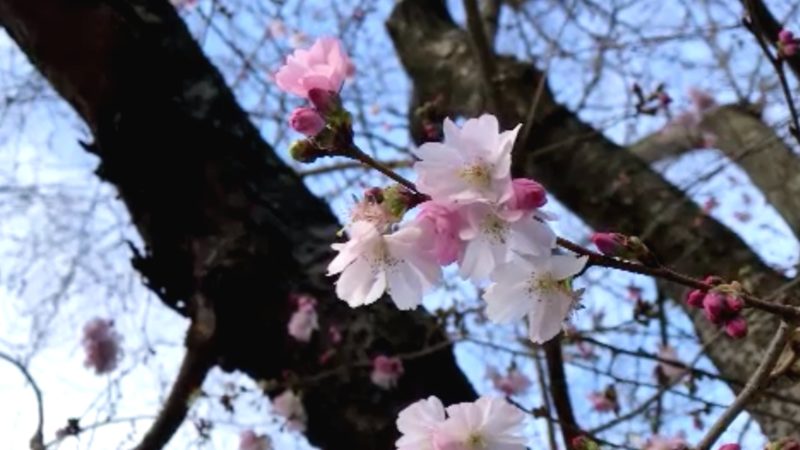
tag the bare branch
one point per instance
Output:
(37, 441)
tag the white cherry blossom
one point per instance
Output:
(490, 423)
(493, 233)
(418, 422)
(536, 286)
(371, 263)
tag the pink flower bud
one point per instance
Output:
(512, 383)
(610, 244)
(307, 121)
(528, 194)
(730, 447)
(787, 43)
(736, 327)
(785, 36)
(714, 307)
(733, 304)
(695, 298)
(323, 100)
(386, 371)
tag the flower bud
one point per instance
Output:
(714, 307)
(610, 244)
(730, 447)
(306, 121)
(324, 101)
(736, 327)
(733, 304)
(695, 298)
(528, 194)
(304, 151)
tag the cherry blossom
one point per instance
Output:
(442, 224)
(536, 286)
(249, 440)
(488, 423)
(371, 263)
(473, 164)
(101, 342)
(323, 66)
(512, 383)
(304, 320)
(418, 422)
(491, 236)
(386, 371)
(290, 406)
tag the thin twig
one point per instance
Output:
(753, 24)
(752, 387)
(540, 376)
(37, 441)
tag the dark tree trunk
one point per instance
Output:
(230, 230)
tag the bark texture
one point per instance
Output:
(230, 230)
(608, 186)
(746, 140)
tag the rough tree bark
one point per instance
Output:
(746, 140)
(608, 186)
(230, 231)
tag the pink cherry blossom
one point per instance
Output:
(473, 164)
(536, 286)
(489, 423)
(101, 343)
(306, 121)
(249, 440)
(442, 224)
(323, 66)
(736, 327)
(371, 263)
(304, 320)
(512, 383)
(290, 406)
(386, 371)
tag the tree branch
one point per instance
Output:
(37, 441)
(756, 382)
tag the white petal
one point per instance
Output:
(548, 315)
(532, 237)
(565, 266)
(405, 286)
(359, 284)
(506, 303)
(417, 422)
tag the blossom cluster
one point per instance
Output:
(722, 305)
(469, 211)
(488, 423)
